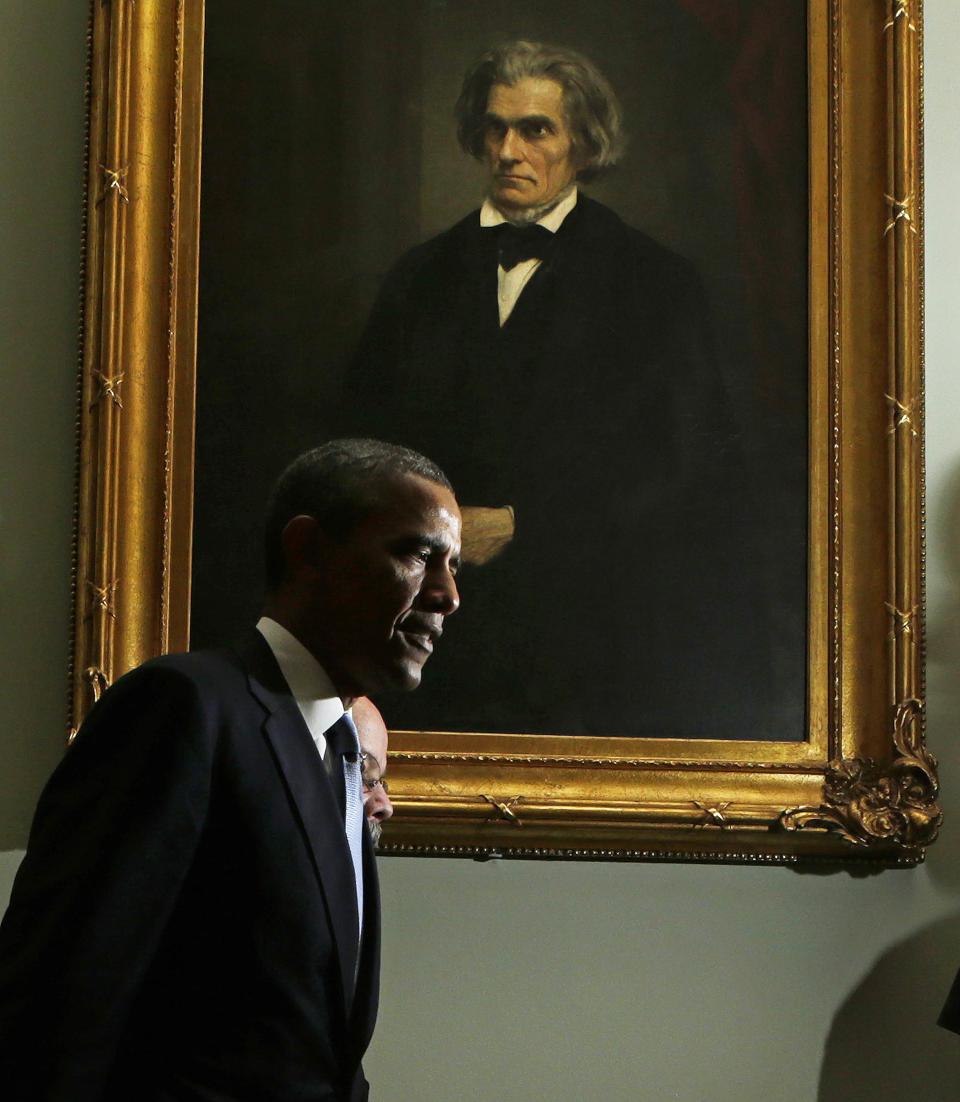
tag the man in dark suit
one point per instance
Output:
(197, 916)
(586, 427)
(374, 739)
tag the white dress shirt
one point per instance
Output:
(511, 284)
(309, 682)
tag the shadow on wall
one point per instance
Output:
(943, 682)
(884, 1042)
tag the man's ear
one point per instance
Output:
(302, 541)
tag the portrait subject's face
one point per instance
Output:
(389, 586)
(529, 150)
(373, 742)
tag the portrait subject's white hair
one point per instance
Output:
(591, 107)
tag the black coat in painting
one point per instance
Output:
(183, 926)
(622, 606)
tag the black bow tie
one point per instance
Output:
(516, 243)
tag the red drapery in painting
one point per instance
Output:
(767, 85)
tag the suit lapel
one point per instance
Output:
(537, 312)
(312, 800)
(368, 975)
(477, 282)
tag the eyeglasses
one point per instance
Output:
(370, 783)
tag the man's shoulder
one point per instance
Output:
(445, 247)
(180, 699)
(201, 671)
(594, 233)
(466, 229)
(605, 229)
(197, 663)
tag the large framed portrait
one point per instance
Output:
(688, 449)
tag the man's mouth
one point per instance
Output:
(420, 637)
(418, 642)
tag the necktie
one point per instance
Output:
(345, 744)
(516, 243)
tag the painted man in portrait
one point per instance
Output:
(583, 419)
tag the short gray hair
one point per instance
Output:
(338, 483)
(590, 104)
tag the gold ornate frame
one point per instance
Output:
(860, 787)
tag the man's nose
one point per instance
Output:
(376, 803)
(511, 149)
(380, 808)
(440, 593)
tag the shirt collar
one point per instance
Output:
(309, 682)
(552, 220)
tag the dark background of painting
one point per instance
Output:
(329, 150)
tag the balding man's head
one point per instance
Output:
(373, 744)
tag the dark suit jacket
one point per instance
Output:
(182, 928)
(598, 413)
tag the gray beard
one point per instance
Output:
(534, 214)
(376, 829)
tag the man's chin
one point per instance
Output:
(410, 678)
(511, 199)
(522, 209)
(398, 679)
(384, 677)
(518, 211)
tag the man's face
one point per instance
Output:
(385, 590)
(373, 743)
(529, 150)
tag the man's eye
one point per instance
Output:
(536, 130)
(413, 552)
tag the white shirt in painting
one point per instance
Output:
(511, 284)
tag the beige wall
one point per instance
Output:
(506, 980)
